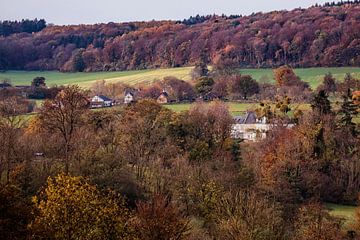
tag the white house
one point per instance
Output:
(129, 97)
(250, 128)
(100, 101)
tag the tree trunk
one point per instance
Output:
(67, 158)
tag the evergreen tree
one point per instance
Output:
(347, 112)
(321, 104)
(38, 82)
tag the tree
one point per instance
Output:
(283, 74)
(202, 131)
(78, 64)
(286, 77)
(15, 213)
(321, 104)
(160, 219)
(70, 208)
(11, 122)
(204, 86)
(248, 216)
(314, 222)
(63, 115)
(328, 84)
(221, 88)
(153, 91)
(349, 83)
(348, 111)
(200, 70)
(244, 85)
(142, 138)
(38, 82)
(179, 90)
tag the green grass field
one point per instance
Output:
(87, 79)
(234, 107)
(345, 212)
(313, 76)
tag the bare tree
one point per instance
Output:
(11, 121)
(64, 115)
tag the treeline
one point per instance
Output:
(340, 3)
(24, 26)
(317, 36)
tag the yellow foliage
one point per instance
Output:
(71, 208)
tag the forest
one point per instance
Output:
(138, 170)
(143, 171)
(317, 36)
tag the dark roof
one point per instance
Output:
(164, 94)
(5, 85)
(249, 118)
(23, 87)
(105, 98)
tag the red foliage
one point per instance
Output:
(317, 36)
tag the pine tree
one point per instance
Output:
(321, 104)
(347, 112)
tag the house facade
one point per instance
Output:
(100, 101)
(251, 128)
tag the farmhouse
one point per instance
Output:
(100, 101)
(163, 98)
(251, 128)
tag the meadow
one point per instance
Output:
(345, 212)
(313, 76)
(235, 108)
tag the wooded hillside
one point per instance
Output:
(317, 36)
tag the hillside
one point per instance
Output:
(313, 37)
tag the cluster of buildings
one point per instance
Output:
(101, 101)
(248, 127)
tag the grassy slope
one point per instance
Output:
(343, 211)
(312, 75)
(234, 107)
(87, 79)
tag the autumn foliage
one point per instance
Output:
(317, 36)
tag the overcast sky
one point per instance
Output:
(100, 11)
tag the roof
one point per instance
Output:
(249, 118)
(165, 94)
(5, 85)
(105, 98)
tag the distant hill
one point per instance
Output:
(317, 36)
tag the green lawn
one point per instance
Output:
(234, 107)
(313, 76)
(87, 79)
(343, 211)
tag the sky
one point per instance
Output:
(64, 12)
